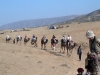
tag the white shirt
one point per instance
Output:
(7, 36)
(18, 36)
(69, 38)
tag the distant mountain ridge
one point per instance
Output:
(36, 22)
(93, 16)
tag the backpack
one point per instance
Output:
(92, 63)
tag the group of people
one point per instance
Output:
(94, 46)
(94, 42)
(68, 39)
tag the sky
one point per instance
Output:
(18, 10)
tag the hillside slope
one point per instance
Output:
(36, 22)
(90, 17)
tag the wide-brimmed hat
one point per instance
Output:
(89, 34)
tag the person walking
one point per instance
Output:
(79, 52)
(94, 46)
(94, 42)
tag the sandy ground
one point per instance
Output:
(20, 59)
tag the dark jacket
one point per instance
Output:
(79, 51)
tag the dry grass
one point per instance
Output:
(27, 60)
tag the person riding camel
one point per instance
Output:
(69, 39)
(33, 37)
(44, 38)
(25, 37)
(64, 38)
(94, 42)
(54, 42)
(18, 36)
(7, 37)
(53, 36)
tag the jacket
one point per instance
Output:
(95, 45)
(79, 51)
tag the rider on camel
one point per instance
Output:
(54, 42)
(18, 36)
(53, 37)
(7, 37)
(33, 38)
(44, 38)
(69, 39)
(64, 38)
(26, 37)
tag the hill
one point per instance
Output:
(90, 17)
(36, 22)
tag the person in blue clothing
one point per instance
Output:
(79, 52)
(33, 37)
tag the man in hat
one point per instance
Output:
(94, 42)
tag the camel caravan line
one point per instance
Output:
(54, 41)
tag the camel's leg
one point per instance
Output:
(61, 49)
(41, 46)
(44, 46)
(25, 43)
(20, 42)
(16, 41)
(6, 41)
(54, 47)
(36, 45)
(64, 50)
(51, 45)
(67, 50)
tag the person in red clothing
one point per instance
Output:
(80, 71)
